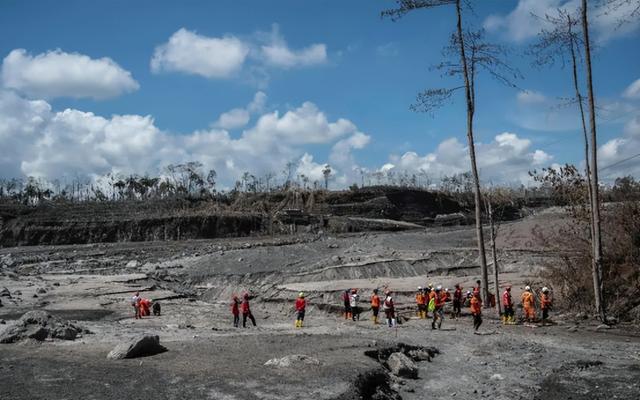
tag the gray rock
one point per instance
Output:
(401, 365)
(419, 355)
(295, 360)
(141, 346)
(5, 292)
(35, 318)
(17, 332)
(17, 293)
(602, 327)
(67, 332)
(41, 291)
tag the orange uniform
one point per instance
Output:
(375, 301)
(528, 305)
(476, 308)
(545, 301)
(420, 299)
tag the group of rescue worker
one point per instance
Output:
(142, 307)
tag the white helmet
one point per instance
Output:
(527, 288)
(446, 289)
(545, 289)
(439, 287)
(419, 287)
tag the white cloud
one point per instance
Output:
(277, 52)
(60, 74)
(507, 159)
(618, 156)
(239, 117)
(387, 50)
(37, 141)
(633, 90)
(188, 52)
(528, 18)
(530, 97)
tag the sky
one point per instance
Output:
(95, 87)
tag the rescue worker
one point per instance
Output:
(375, 305)
(135, 302)
(476, 311)
(438, 310)
(507, 302)
(235, 310)
(477, 290)
(246, 311)
(389, 309)
(144, 307)
(421, 303)
(301, 304)
(528, 305)
(156, 308)
(355, 309)
(545, 304)
(447, 295)
(427, 297)
(346, 300)
(457, 302)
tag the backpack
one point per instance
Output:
(432, 304)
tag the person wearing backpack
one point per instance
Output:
(301, 305)
(389, 309)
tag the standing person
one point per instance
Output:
(421, 302)
(246, 311)
(438, 307)
(144, 307)
(545, 304)
(135, 302)
(477, 291)
(375, 305)
(476, 311)
(346, 300)
(507, 302)
(457, 302)
(301, 305)
(235, 310)
(528, 305)
(355, 309)
(431, 294)
(389, 309)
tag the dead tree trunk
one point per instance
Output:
(492, 228)
(595, 196)
(472, 156)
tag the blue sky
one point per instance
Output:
(337, 57)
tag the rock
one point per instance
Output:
(141, 346)
(2, 322)
(17, 332)
(419, 355)
(56, 283)
(335, 259)
(294, 360)
(611, 320)
(572, 329)
(602, 327)
(5, 292)
(132, 264)
(401, 365)
(41, 291)
(67, 332)
(17, 293)
(333, 246)
(35, 318)
(496, 377)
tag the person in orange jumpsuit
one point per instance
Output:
(235, 310)
(477, 290)
(301, 305)
(421, 302)
(507, 302)
(528, 305)
(545, 304)
(476, 311)
(145, 307)
(375, 305)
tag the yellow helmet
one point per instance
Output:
(301, 294)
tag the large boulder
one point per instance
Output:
(141, 346)
(401, 365)
(39, 325)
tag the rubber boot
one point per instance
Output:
(301, 323)
(504, 320)
(393, 322)
(297, 323)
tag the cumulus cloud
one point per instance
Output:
(508, 158)
(38, 141)
(277, 52)
(618, 156)
(528, 18)
(633, 90)
(239, 117)
(191, 53)
(59, 74)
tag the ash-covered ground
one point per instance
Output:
(207, 358)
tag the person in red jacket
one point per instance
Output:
(145, 307)
(246, 311)
(301, 304)
(507, 302)
(457, 302)
(346, 300)
(235, 310)
(476, 311)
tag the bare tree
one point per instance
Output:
(326, 173)
(595, 195)
(472, 53)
